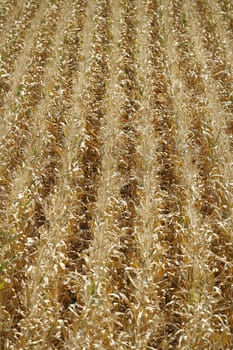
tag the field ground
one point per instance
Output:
(116, 174)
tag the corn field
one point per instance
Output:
(116, 174)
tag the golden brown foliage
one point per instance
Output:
(116, 174)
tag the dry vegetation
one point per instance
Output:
(116, 174)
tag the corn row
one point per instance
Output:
(206, 199)
(14, 43)
(148, 267)
(24, 190)
(28, 95)
(32, 300)
(219, 50)
(217, 201)
(97, 295)
(18, 70)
